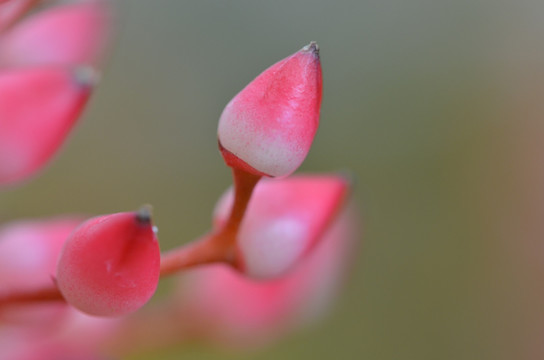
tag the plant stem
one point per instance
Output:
(219, 246)
(44, 294)
(214, 247)
(201, 251)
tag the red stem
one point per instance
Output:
(45, 294)
(215, 247)
(219, 246)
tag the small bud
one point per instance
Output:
(38, 107)
(73, 34)
(284, 220)
(110, 265)
(268, 128)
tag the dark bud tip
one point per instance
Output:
(143, 215)
(313, 48)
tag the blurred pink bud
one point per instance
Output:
(12, 9)
(284, 220)
(228, 307)
(39, 350)
(73, 34)
(110, 265)
(268, 128)
(72, 336)
(81, 331)
(29, 253)
(38, 107)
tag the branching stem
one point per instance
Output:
(217, 246)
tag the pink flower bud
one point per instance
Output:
(29, 253)
(268, 128)
(73, 34)
(38, 107)
(110, 265)
(284, 220)
(228, 307)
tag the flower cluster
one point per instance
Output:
(278, 245)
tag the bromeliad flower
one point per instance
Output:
(274, 255)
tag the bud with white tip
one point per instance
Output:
(268, 128)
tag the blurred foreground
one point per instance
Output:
(435, 107)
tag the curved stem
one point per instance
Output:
(219, 246)
(201, 251)
(244, 183)
(45, 294)
(214, 247)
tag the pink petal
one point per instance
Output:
(284, 220)
(73, 34)
(231, 308)
(38, 107)
(29, 252)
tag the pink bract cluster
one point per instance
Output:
(275, 255)
(235, 309)
(47, 72)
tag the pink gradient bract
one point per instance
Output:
(29, 252)
(38, 107)
(236, 310)
(73, 34)
(284, 220)
(45, 80)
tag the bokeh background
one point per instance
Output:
(435, 107)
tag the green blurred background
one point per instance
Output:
(430, 104)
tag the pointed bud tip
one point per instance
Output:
(312, 48)
(143, 215)
(86, 76)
